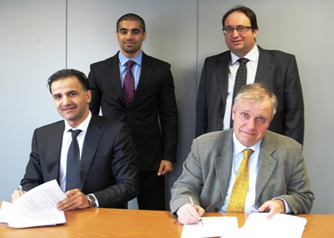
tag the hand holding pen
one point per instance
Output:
(17, 193)
(192, 202)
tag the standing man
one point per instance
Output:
(244, 170)
(246, 63)
(137, 89)
(93, 158)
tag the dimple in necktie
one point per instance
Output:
(129, 84)
(73, 162)
(236, 204)
(240, 80)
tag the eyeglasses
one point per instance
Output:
(240, 29)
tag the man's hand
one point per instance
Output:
(189, 214)
(273, 206)
(75, 200)
(165, 167)
(16, 194)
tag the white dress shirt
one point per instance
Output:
(253, 57)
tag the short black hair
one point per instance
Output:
(66, 73)
(245, 10)
(131, 17)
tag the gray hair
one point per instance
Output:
(256, 93)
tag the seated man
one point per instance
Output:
(98, 168)
(270, 175)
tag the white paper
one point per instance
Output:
(37, 207)
(280, 225)
(213, 227)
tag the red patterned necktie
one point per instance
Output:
(129, 84)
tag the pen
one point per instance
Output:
(192, 202)
(21, 190)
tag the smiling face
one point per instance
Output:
(130, 37)
(71, 101)
(239, 43)
(251, 120)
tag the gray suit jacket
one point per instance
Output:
(207, 170)
(108, 166)
(277, 70)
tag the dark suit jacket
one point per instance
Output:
(152, 115)
(277, 70)
(108, 165)
(207, 171)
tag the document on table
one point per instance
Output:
(256, 226)
(280, 225)
(37, 207)
(213, 227)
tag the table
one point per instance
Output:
(103, 222)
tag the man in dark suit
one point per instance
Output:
(148, 106)
(106, 171)
(275, 69)
(274, 178)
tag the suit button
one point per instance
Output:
(216, 209)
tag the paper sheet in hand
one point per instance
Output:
(37, 207)
(213, 227)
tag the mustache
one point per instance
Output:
(70, 106)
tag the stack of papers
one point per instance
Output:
(37, 207)
(256, 226)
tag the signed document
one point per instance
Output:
(37, 207)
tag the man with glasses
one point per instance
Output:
(246, 63)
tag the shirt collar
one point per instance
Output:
(252, 55)
(83, 126)
(239, 147)
(123, 59)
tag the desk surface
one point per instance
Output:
(104, 222)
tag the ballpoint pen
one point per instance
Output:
(192, 202)
(21, 190)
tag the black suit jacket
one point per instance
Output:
(277, 70)
(108, 164)
(152, 115)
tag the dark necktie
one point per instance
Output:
(240, 80)
(129, 84)
(73, 162)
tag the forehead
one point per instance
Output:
(255, 108)
(129, 25)
(65, 84)
(237, 18)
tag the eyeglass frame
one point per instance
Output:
(247, 28)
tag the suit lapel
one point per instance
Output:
(265, 68)
(54, 143)
(267, 165)
(222, 71)
(224, 163)
(145, 76)
(92, 140)
(115, 76)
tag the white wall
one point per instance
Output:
(34, 40)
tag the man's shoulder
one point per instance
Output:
(106, 123)
(110, 60)
(218, 56)
(276, 53)
(155, 61)
(215, 138)
(281, 140)
(50, 128)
